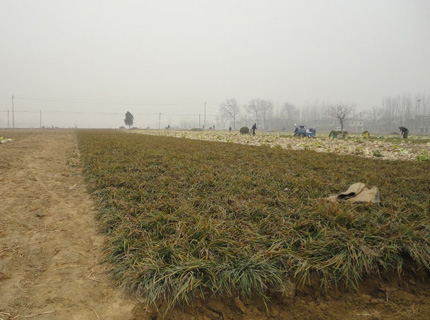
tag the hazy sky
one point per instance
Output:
(172, 56)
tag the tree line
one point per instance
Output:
(407, 110)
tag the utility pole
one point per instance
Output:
(40, 124)
(204, 120)
(8, 118)
(13, 114)
(199, 120)
(159, 121)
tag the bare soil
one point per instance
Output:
(49, 245)
(51, 252)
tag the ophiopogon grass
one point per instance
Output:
(188, 217)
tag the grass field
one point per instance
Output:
(188, 217)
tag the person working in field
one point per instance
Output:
(254, 127)
(404, 131)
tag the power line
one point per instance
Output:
(149, 115)
(69, 112)
(108, 103)
(106, 113)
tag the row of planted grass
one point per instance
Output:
(189, 217)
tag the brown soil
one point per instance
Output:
(49, 245)
(50, 253)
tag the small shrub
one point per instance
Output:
(377, 153)
(365, 134)
(244, 130)
(342, 134)
(359, 151)
(423, 157)
(196, 129)
(338, 134)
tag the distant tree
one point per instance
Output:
(341, 112)
(289, 112)
(260, 110)
(128, 119)
(230, 111)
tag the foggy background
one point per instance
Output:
(86, 63)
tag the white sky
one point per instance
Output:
(171, 56)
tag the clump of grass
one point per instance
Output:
(377, 153)
(187, 217)
(423, 157)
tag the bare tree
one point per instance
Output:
(289, 112)
(252, 113)
(422, 104)
(221, 121)
(230, 110)
(341, 112)
(260, 111)
(375, 113)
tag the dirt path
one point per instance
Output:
(49, 245)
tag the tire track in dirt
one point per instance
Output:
(49, 245)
